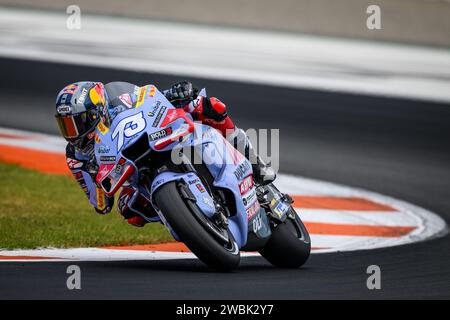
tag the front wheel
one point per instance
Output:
(290, 244)
(192, 228)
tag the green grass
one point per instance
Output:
(42, 210)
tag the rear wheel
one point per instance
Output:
(290, 244)
(211, 244)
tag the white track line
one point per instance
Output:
(427, 224)
(99, 254)
(370, 218)
(279, 59)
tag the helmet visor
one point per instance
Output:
(73, 127)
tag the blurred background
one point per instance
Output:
(409, 21)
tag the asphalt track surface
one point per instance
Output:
(396, 147)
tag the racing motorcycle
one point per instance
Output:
(198, 185)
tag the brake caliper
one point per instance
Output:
(276, 203)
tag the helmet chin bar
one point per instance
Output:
(86, 142)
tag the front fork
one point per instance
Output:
(276, 204)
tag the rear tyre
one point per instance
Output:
(220, 256)
(290, 244)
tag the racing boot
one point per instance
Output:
(141, 205)
(263, 173)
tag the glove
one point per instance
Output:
(181, 93)
(91, 167)
(213, 108)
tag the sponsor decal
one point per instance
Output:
(118, 169)
(101, 204)
(196, 180)
(103, 149)
(200, 188)
(97, 138)
(152, 91)
(246, 185)
(108, 159)
(159, 116)
(104, 170)
(250, 198)
(63, 109)
(257, 223)
(208, 202)
(126, 100)
(155, 108)
(141, 96)
(160, 134)
(102, 128)
(70, 89)
(254, 209)
(97, 94)
(171, 116)
(74, 164)
(242, 170)
(82, 97)
(279, 207)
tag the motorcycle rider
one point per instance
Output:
(81, 107)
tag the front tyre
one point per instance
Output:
(290, 244)
(192, 232)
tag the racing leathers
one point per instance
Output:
(82, 165)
